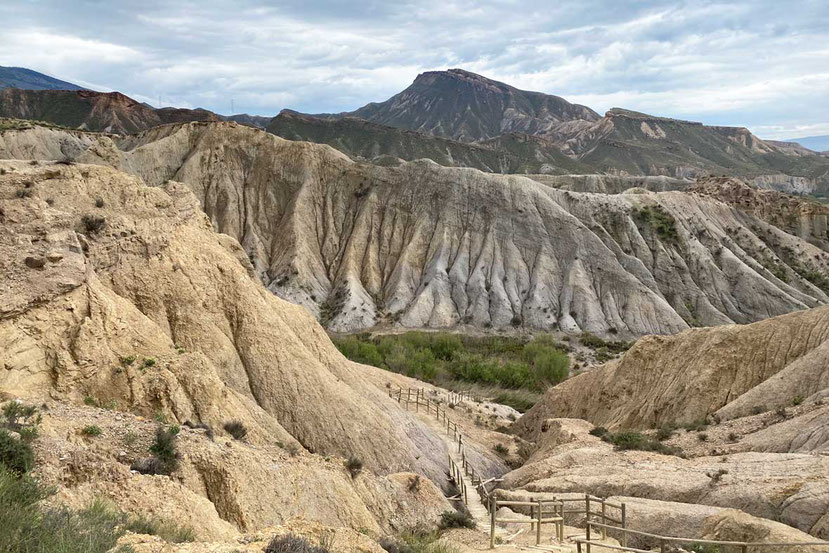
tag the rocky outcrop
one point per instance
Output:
(795, 215)
(423, 245)
(612, 184)
(140, 302)
(110, 112)
(222, 486)
(728, 371)
(786, 487)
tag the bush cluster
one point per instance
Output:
(627, 440)
(292, 544)
(512, 363)
(29, 526)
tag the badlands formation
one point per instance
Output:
(420, 245)
(142, 278)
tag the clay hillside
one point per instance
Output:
(419, 245)
(169, 397)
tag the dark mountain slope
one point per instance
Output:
(464, 106)
(26, 79)
(510, 153)
(96, 111)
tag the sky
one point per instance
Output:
(762, 64)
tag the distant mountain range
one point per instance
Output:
(535, 132)
(20, 77)
(814, 143)
(458, 118)
(27, 94)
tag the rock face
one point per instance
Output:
(145, 279)
(359, 139)
(803, 218)
(790, 488)
(110, 112)
(222, 486)
(726, 370)
(464, 106)
(423, 245)
(630, 143)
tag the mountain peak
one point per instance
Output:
(465, 106)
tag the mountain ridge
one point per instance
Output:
(485, 108)
(28, 79)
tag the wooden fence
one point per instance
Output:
(664, 541)
(418, 398)
(598, 512)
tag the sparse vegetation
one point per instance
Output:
(354, 466)
(501, 449)
(165, 454)
(504, 364)
(627, 440)
(416, 541)
(16, 456)
(656, 218)
(292, 544)
(456, 519)
(93, 223)
(236, 429)
(91, 431)
(29, 526)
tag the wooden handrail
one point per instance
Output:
(705, 541)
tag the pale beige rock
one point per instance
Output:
(686, 377)
(791, 488)
(424, 245)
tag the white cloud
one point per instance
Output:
(756, 63)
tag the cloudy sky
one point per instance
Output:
(763, 64)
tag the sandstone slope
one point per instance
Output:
(155, 282)
(424, 245)
(728, 370)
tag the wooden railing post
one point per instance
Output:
(604, 519)
(744, 548)
(662, 545)
(624, 526)
(532, 518)
(493, 504)
(587, 531)
(538, 524)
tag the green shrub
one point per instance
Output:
(627, 440)
(93, 223)
(665, 432)
(91, 430)
(16, 455)
(27, 526)
(236, 429)
(354, 466)
(501, 449)
(660, 221)
(599, 431)
(292, 544)
(168, 531)
(456, 519)
(164, 450)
